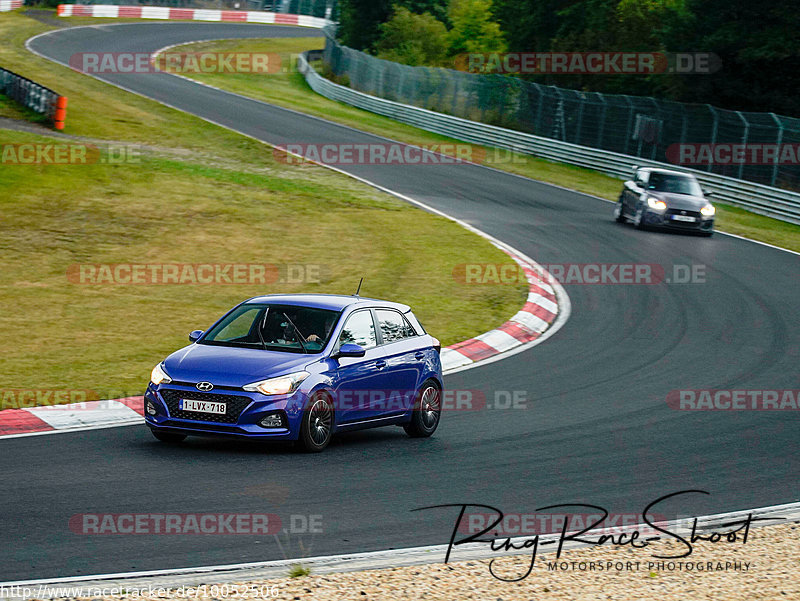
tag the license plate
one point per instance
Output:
(202, 406)
(684, 218)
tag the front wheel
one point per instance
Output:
(426, 413)
(316, 428)
(638, 219)
(619, 215)
(169, 437)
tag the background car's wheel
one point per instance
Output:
(638, 219)
(169, 437)
(427, 411)
(316, 429)
(619, 215)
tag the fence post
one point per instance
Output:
(744, 138)
(778, 142)
(714, 129)
(628, 133)
(579, 125)
(601, 128)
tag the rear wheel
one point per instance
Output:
(427, 411)
(316, 428)
(169, 437)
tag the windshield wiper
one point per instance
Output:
(261, 327)
(299, 335)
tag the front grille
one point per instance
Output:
(695, 214)
(234, 405)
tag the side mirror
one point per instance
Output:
(350, 350)
(708, 192)
(194, 335)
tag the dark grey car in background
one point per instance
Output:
(665, 199)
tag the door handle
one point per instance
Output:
(419, 355)
(380, 364)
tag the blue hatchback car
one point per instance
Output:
(300, 367)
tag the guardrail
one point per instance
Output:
(758, 198)
(34, 96)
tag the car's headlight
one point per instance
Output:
(654, 203)
(159, 376)
(280, 385)
(708, 210)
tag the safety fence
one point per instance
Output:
(766, 200)
(34, 96)
(758, 147)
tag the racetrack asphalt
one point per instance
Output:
(596, 427)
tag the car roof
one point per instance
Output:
(335, 302)
(665, 171)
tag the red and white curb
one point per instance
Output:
(187, 14)
(526, 326)
(6, 5)
(91, 415)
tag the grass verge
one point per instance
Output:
(196, 193)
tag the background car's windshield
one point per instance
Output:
(275, 327)
(674, 184)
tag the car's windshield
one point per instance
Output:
(274, 327)
(674, 184)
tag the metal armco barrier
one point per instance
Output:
(34, 96)
(758, 198)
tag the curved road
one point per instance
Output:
(596, 429)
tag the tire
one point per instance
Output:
(427, 411)
(638, 219)
(168, 437)
(619, 215)
(316, 429)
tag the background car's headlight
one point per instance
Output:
(654, 203)
(708, 210)
(280, 385)
(159, 376)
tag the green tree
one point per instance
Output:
(413, 39)
(474, 28)
(360, 20)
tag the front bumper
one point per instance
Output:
(244, 410)
(667, 220)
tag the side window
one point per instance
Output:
(359, 329)
(394, 327)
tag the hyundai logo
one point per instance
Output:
(204, 386)
(683, 212)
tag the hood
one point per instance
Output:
(230, 366)
(680, 201)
